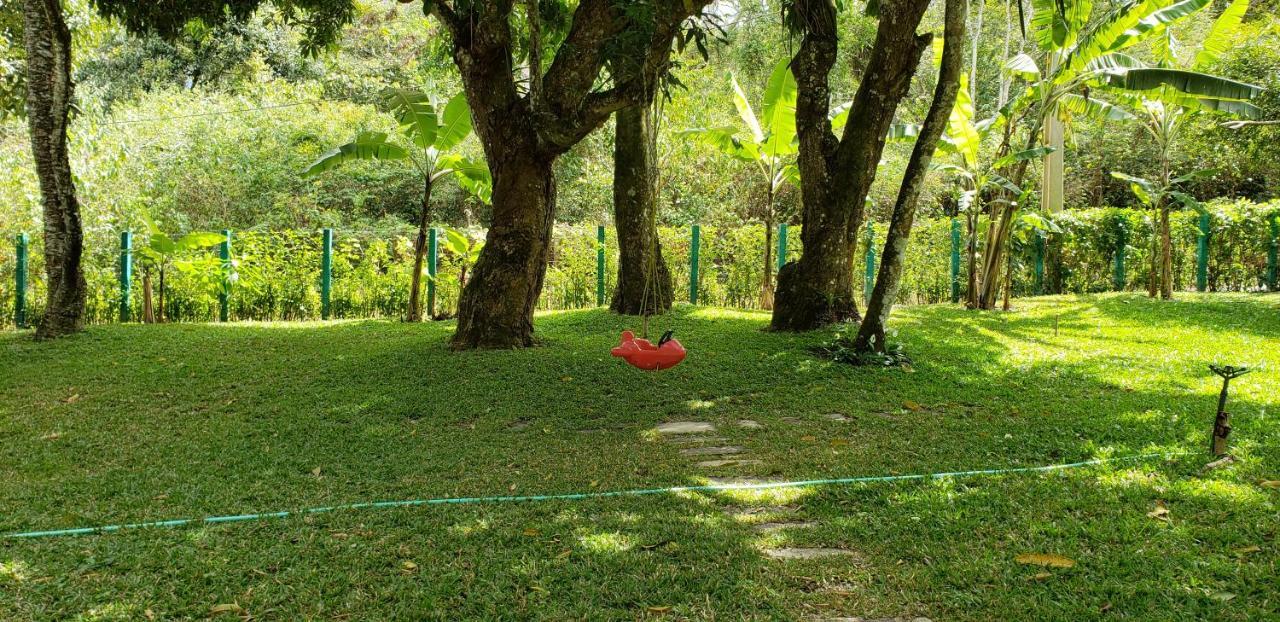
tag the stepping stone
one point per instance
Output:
(805, 553)
(748, 424)
(768, 527)
(517, 426)
(726, 450)
(742, 512)
(685, 427)
(715, 464)
(837, 417)
(696, 439)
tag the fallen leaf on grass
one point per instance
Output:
(1223, 596)
(1269, 483)
(564, 554)
(52, 436)
(1041, 576)
(532, 533)
(408, 566)
(662, 609)
(316, 471)
(1045, 559)
(808, 438)
(1248, 549)
(839, 442)
(912, 406)
(73, 399)
(225, 608)
(1160, 513)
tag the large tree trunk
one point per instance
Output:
(644, 282)
(998, 235)
(836, 173)
(496, 307)
(419, 255)
(49, 92)
(871, 334)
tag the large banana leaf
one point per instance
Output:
(1219, 39)
(1144, 189)
(780, 111)
(1056, 24)
(1114, 63)
(455, 124)
(472, 175)
(366, 146)
(1024, 67)
(1158, 21)
(1189, 82)
(1027, 154)
(744, 110)
(726, 140)
(1093, 108)
(416, 115)
(198, 239)
(961, 132)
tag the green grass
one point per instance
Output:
(138, 423)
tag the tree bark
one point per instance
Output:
(766, 282)
(644, 282)
(419, 254)
(49, 92)
(1166, 254)
(836, 173)
(998, 235)
(871, 334)
(148, 312)
(523, 135)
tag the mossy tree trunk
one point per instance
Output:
(644, 282)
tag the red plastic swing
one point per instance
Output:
(642, 354)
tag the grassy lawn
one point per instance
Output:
(139, 423)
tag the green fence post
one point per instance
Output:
(20, 276)
(432, 255)
(326, 273)
(1272, 252)
(955, 260)
(870, 280)
(126, 273)
(224, 296)
(693, 264)
(1118, 275)
(600, 265)
(1202, 254)
(1039, 273)
(782, 245)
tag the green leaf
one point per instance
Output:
(1144, 189)
(961, 132)
(1029, 154)
(780, 111)
(1024, 67)
(1158, 21)
(1204, 173)
(1189, 82)
(744, 110)
(1188, 201)
(1219, 39)
(199, 239)
(416, 115)
(1093, 108)
(726, 141)
(456, 242)
(366, 146)
(1056, 24)
(455, 124)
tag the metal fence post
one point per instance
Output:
(1202, 254)
(1118, 275)
(224, 296)
(955, 260)
(694, 247)
(126, 273)
(600, 265)
(326, 274)
(869, 282)
(20, 277)
(782, 245)
(1273, 250)
(432, 257)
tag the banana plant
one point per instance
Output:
(431, 130)
(769, 143)
(465, 249)
(1076, 51)
(1164, 98)
(161, 251)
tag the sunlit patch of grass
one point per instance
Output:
(606, 542)
(14, 570)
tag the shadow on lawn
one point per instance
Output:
(240, 419)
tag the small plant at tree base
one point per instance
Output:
(1222, 423)
(161, 250)
(467, 251)
(840, 348)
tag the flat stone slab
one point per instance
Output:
(767, 527)
(715, 464)
(806, 553)
(695, 439)
(685, 427)
(837, 417)
(748, 424)
(724, 450)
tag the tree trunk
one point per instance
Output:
(836, 173)
(971, 253)
(148, 312)
(419, 254)
(496, 307)
(871, 334)
(644, 282)
(49, 93)
(1153, 276)
(998, 235)
(160, 315)
(1166, 254)
(766, 283)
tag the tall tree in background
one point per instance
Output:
(48, 92)
(871, 333)
(644, 282)
(836, 172)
